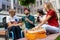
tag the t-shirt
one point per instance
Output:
(12, 19)
(27, 24)
(53, 20)
(42, 17)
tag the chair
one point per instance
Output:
(7, 34)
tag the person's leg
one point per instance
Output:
(17, 32)
(25, 31)
(51, 29)
(13, 30)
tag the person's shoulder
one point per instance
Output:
(23, 16)
(52, 11)
(7, 16)
(31, 15)
(15, 16)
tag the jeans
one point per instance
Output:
(16, 30)
(50, 29)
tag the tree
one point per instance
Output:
(26, 2)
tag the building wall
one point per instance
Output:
(7, 4)
(0, 4)
(39, 4)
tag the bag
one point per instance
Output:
(37, 34)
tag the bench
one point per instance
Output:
(49, 37)
(2, 32)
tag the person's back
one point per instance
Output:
(54, 19)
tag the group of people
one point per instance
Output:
(48, 21)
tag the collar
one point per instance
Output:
(12, 17)
(28, 15)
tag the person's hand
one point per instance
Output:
(15, 22)
(25, 31)
(26, 19)
(15, 25)
(37, 27)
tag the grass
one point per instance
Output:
(58, 38)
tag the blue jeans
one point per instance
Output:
(16, 30)
(50, 29)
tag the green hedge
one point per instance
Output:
(58, 38)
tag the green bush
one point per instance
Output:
(26, 2)
(58, 38)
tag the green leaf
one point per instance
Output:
(26, 2)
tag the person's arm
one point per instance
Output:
(19, 24)
(21, 21)
(10, 25)
(44, 21)
(51, 14)
(32, 21)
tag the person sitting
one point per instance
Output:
(13, 24)
(51, 17)
(28, 19)
(41, 15)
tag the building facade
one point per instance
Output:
(6, 4)
(39, 5)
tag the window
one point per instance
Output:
(59, 2)
(14, 7)
(40, 2)
(7, 0)
(8, 7)
(3, 6)
(14, 1)
(37, 3)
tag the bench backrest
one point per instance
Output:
(4, 23)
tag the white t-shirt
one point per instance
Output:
(12, 19)
(42, 17)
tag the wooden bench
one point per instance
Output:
(2, 32)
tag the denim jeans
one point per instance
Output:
(51, 29)
(16, 30)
